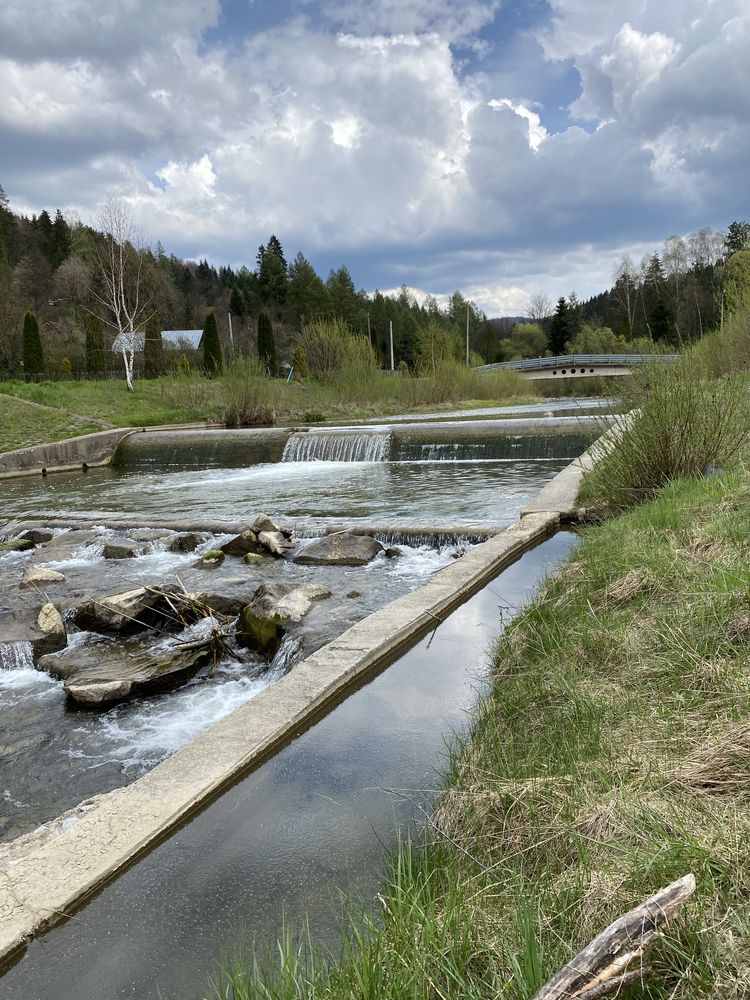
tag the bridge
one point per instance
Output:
(578, 365)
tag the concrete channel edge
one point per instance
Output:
(46, 873)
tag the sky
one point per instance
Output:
(498, 147)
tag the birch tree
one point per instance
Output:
(122, 294)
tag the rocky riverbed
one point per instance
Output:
(118, 646)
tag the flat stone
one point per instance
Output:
(64, 546)
(101, 673)
(342, 549)
(148, 534)
(127, 613)
(38, 576)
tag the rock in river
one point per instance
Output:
(38, 576)
(101, 673)
(273, 600)
(43, 628)
(127, 613)
(340, 549)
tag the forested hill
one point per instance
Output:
(48, 265)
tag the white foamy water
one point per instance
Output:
(336, 446)
(417, 562)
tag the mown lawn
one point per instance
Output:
(611, 757)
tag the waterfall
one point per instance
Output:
(332, 446)
(496, 448)
(16, 656)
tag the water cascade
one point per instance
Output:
(337, 446)
(16, 656)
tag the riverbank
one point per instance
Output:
(611, 757)
(189, 399)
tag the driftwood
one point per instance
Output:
(602, 967)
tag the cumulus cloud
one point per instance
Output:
(361, 133)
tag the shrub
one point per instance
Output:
(95, 356)
(212, 359)
(249, 398)
(33, 356)
(66, 368)
(330, 349)
(299, 362)
(683, 423)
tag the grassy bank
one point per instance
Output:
(612, 757)
(22, 425)
(189, 399)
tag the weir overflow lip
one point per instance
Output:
(45, 873)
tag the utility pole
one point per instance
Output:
(467, 334)
(231, 336)
(390, 324)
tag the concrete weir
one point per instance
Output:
(44, 874)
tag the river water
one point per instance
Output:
(312, 821)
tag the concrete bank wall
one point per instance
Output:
(62, 456)
(45, 873)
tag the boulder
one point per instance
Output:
(393, 552)
(38, 576)
(122, 550)
(262, 635)
(264, 523)
(100, 673)
(222, 604)
(186, 542)
(211, 559)
(43, 628)
(354, 593)
(127, 613)
(252, 557)
(342, 549)
(16, 545)
(38, 535)
(64, 546)
(274, 542)
(274, 601)
(246, 541)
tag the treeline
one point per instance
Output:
(50, 266)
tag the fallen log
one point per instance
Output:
(602, 967)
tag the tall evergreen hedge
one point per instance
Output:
(266, 343)
(153, 351)
(33, 356)
(95, 357)
(212, 359)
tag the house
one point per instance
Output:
(172, 340)
(182, 340)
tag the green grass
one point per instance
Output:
(611, 757)
(22, 425)
(191, 399)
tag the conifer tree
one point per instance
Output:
(266, 343)
(153, 351)
(299, 362)
(560, 329)
(33, 356)
(212, 359)
(94, 345)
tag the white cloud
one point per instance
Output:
(363, 135)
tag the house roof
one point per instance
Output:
(177, 338)
(124, 340)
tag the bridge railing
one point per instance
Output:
(579, 361)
